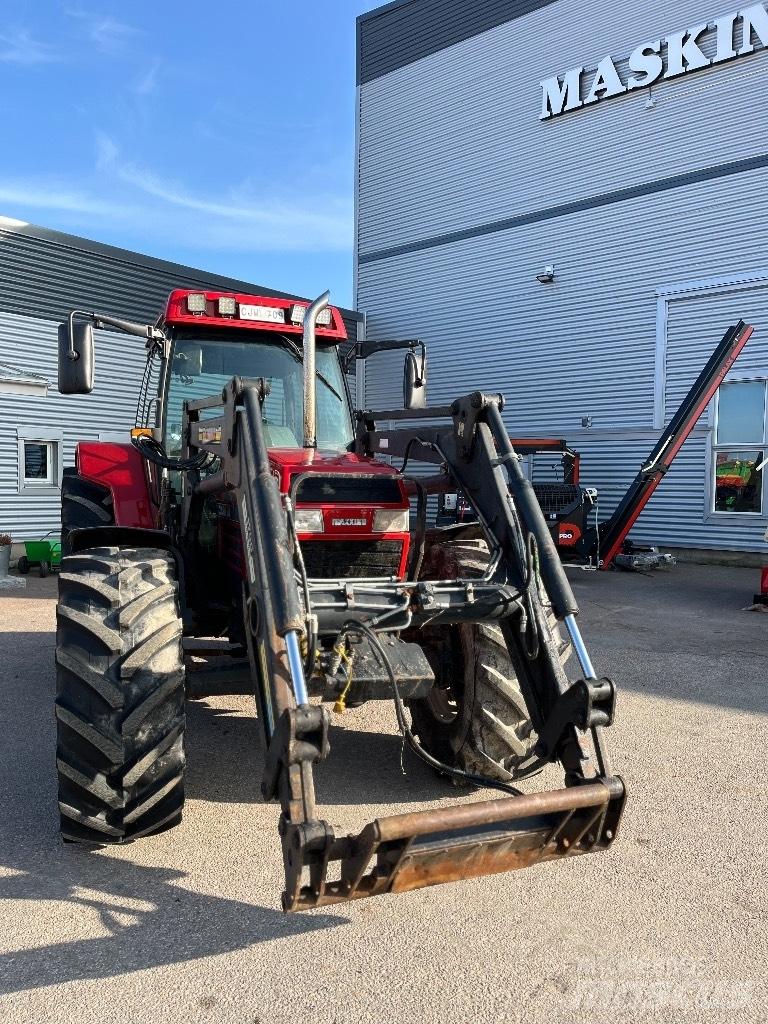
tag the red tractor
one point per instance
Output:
(246, 539)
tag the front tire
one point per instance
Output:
(120, 695)
(83, 504)
(475, 718)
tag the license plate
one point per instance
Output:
(268, 314)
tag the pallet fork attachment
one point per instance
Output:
(408, 851)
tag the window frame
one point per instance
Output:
(50, 464)
(53, 439)
(751, 446)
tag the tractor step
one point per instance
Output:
(422, 848)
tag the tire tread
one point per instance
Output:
(120, 695)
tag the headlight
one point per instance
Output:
(308, 520)
(391, 520)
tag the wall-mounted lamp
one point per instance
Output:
(586, 422)
(547, 275)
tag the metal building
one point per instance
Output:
(43, 275)
(621, 154)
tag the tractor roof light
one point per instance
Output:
(227, 305)
(324, 317)
(196, 302)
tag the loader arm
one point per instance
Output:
(403, 852)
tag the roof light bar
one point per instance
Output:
(324, 317)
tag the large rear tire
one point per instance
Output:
(475, 718)
(83, 504)
(120, 695)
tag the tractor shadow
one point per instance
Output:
(82, 914)
(151, 919)
(225, 758)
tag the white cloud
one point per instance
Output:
(241, 220)
(146, 83)
(18, 47)
(44, 196)
(148, 210)
(108, 34)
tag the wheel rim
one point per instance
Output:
(443, 704)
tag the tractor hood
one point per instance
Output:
(288, 464)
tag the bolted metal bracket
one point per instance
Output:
(586, 704)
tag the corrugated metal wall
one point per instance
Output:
(454, 141)
(43, 275)
(410, 29)
(31, 343)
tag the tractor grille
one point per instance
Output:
(553, 498)
(316, 489)
(351, 559)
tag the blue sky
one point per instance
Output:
(219, 135)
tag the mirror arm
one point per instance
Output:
(147, 331)
(366, 349)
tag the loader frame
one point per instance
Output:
(426, 847)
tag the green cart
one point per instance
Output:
(44, 553)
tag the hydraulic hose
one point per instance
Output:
(457, 773)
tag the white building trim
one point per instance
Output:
(688, 289)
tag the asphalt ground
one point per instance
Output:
(670, 925)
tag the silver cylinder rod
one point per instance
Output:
(310, 323)
(578, 645)
(296, 667)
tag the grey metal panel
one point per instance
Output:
(695, 323)
(111, 406)
(43, 275)
(398, 34)
(47, 273)
(454, 141)
(676, 515)
(585, 345)
(729, 169)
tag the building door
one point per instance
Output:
(720, 468)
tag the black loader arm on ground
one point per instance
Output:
(614, 532)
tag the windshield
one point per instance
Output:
(202, 366)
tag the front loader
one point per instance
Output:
(247, 540)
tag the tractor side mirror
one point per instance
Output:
(415, 381)
(75, 357)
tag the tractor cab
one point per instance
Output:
(216, 336)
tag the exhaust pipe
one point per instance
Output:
(310, 322)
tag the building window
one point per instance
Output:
(739, 446)
(40, 463)
(40, 460)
